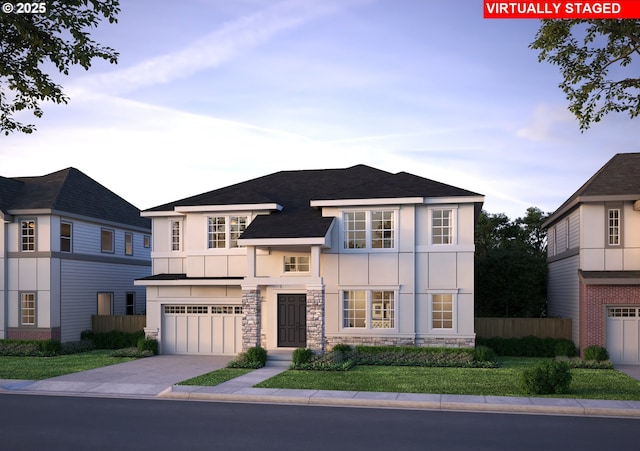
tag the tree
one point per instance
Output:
(53, 32)
(511, 265)
(587, 53)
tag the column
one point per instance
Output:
(315, 318)
(251, 317)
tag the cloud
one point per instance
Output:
(547, 123)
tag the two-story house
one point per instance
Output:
(69, 249)
(313, 258)
(593, 242)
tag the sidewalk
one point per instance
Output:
(156, 378)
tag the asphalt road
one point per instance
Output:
(36, 422)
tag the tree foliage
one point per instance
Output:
(31, 44)
(511, 265)
(595, 58)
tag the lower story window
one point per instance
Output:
(366, 309)
(105, 303)
(28, 309)
(442, 311)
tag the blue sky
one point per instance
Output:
(209, 93)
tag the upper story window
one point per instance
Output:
(146, 242)
(175, 235)
(106, 240)
(442, 221)
(369, 229)
(128, 243)
(614, 227)
(223, 231)
(28, 235)
(66, 230)
(299, 263)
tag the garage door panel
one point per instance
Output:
(623, 334)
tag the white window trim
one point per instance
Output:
(227, 231)
(618, 227)
(454, 225)
(454, 319)
(368, 329)
(35, 309)
(35, 235)
(180, 235)
(368, 231)
(296, 271)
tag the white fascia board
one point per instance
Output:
(360, 202)
(310, 241)
(160, 214)
(234, 207)
(187, 282)
(30, 212)
(453, 200)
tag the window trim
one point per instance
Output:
(175, 239)
(104, 230)
(128, 251)
(369, 310)
(619, 226)
(112, 302)
(69, 238)
(231, 233)
(294, 265)
(132, 305)
(369, 231)
(32, 237)
(454, 224)
(146, 241)
(454, 311)
(34, 308)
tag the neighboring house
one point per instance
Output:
(69, 249)
(313, 258)
(593, 243)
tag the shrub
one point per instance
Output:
(132, 352)
(484, 354)
(341, 348)
(114, 339)
(548, 377)
(255, 357)
(76, 347)
(597, 353)
(302, 356)
(50, 347)
(148, 344)
(565, 347)
(417, 356)
(529, 346)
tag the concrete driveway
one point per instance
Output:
(143, 377)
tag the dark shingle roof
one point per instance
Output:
(620, 176)
(69, 191)
(294, 190)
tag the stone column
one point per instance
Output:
(251, 317)
(315, 318)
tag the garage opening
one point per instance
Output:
(623, 334)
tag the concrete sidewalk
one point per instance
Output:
(156, 377)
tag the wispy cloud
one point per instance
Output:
(215, 48)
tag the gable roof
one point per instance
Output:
(618, 179)
(68, 191)
(294, 191)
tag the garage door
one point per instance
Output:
(201, 329)
(623, 334)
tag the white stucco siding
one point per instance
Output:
(592, 226)
(563, 292)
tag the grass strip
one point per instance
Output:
(216, 377)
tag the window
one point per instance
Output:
(128, 244)
(368, 309)
(614, 227)
(567, 234)
(105, 303)
(65, 236)
(221, 236)
(131, 304)
(106, 240)
(146, 242)
(442, 226)
(296, 264)
(28, 309)
(442, 311)
(28, 235)
(369, 229)
(175, 235)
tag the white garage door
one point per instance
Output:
(201, 329)
(623, 334)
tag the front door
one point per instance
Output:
(292, 320)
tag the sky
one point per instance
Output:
(207, 93)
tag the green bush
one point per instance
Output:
(301, 356)
(148, 344)
(132, 352)
(417, 356)
(76, 347)
(30, 348)
(565, 347)
(114, 339)
(484, 354)
(255, 357)
(529, 346)
(597, 353)
(341, 348)
(546, 378)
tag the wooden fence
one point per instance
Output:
(123, 323)
(522, 327)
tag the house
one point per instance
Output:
(69, 249)
(313, 258)
(593, 243)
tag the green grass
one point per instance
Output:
(38, 368)
(216, 377)
(503, 381)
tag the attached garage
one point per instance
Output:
(201, 329)
(623, 334)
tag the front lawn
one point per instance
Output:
(503, 381)
(38, 368)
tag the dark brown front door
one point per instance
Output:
(292, 320)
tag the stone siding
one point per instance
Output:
(251, 319)
(315, 320)
(435, 342)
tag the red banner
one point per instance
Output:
(561, 9)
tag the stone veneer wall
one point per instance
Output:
(435, 342)
(315, 320)
(251, 318)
